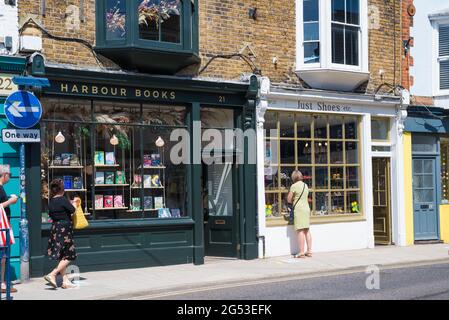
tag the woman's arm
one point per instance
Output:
(290, 197)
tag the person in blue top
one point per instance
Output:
(5, 201)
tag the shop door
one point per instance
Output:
(381, 200)
(220, 209)
(424, 199)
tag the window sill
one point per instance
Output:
(315, 220)
(131, 223)
(333, 79)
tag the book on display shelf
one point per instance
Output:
(158, 202)
(118, 201)
(147, 202)
(77, 183)
(109, 177)
(164, 213)
(57, 161)
(99, 177)
(135, 204)
(68, 182)
(108, 201)
(147, 181)
(110, 158)
(99, 157)
(66, 159)
(119, 177)
(99, 202)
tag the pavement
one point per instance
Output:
(146, 283)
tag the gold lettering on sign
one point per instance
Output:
(156, 94)
(123, 92)
(138, 93)
(114, 91)
(164, 95)
(75, 89)
(104, 90)
(147, 93)
(94, 89)
(173, 95)
(64, 88)
(84, 89)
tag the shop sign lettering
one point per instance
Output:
(323, 106)
(6, 85)
(21, 135)
(114, 91)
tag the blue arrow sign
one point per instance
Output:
(22, 109)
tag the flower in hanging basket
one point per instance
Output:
(151, 12)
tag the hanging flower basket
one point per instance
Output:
(150, 12)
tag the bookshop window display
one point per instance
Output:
(325, 148)
(114, 157)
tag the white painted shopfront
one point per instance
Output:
(335, 154)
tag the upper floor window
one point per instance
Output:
(332, 39)
(443, 56)
(160, 20)
(311, 31)
(115, 17)
(345, 31)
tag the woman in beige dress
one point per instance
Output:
(299, 195)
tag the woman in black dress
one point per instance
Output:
(60, 244)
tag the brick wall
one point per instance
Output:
(63, 19)
(385, 43)
(225, 29)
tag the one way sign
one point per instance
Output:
(22, 109)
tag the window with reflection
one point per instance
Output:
(160, 20)
(325, 148)
(115, 17)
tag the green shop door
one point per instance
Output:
(425, 199)
(220, 194)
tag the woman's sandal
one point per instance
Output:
(51, 280)
(300, 256)
(308, 254)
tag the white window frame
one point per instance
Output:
(325, 23)
(436, 55)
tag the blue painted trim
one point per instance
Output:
(426, 125)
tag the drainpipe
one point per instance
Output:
(261, 108)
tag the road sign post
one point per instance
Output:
(23, 110)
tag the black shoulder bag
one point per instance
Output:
(292, 208)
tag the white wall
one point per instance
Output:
(326, 237)
(9, 26)
(425, 50)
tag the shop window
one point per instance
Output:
(115, 157)
(326, 151)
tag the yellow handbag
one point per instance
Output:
(79, 219)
